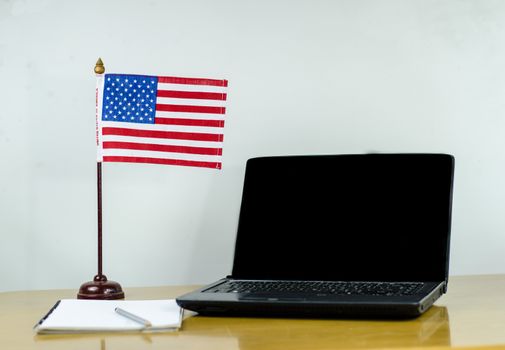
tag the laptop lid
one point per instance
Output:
(372, 217)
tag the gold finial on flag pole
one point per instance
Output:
(99, 67)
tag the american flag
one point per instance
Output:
(160, 120)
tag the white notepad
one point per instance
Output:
(86, 316)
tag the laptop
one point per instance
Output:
(339, 236)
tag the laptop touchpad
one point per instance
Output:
(271, 297)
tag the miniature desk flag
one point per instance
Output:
(151, 119)
(160, 120)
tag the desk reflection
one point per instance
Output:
(431, 329)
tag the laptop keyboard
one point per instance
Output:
(319, 287)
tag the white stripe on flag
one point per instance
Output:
(156, 141)
(195, 88)
(188, 115)
(192, 102)
(162, 155)
(162, 127)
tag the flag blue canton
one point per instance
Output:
(129, 98)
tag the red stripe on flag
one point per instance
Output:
(190, 109)
(192, 95)
(195, 136)
(163, 148)
(193, 81)
(214, 165)
(190, 122)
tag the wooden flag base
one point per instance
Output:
(100, 288)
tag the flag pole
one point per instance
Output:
(100, 287)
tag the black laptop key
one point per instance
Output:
(316, 287)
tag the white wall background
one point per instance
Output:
(305, 77)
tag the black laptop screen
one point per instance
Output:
(346, 217)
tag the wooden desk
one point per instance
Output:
(471, 315)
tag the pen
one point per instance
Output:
(133, 317)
